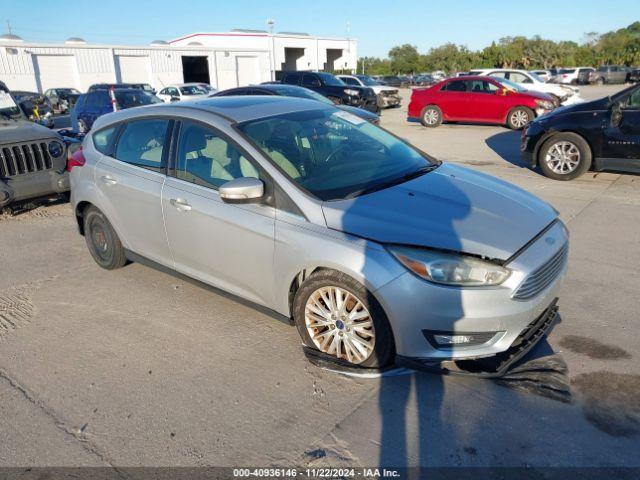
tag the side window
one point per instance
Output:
(480, 86)
(518, 77)
(633, 103)
(310, 80)
(164, 91)
(455, 86)
(142, 143)
(498, 74)
(291, 78)
(102, 139)
(349, 81)
(208, 159)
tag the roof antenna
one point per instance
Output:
(9, 27)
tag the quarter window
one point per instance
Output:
(207, 159)
(142, 143)
(102, 139)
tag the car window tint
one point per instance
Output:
(142, 143)
(291, 79)
(480, 86)
(310, 80)
(92, 100)
(103, 138)
(456, 86)
(634, 100)
(207, 159)
(349, 81)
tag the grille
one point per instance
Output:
(23, 158)
(542, 276)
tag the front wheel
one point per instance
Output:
(519, 117)
(341, 318)
(564, 156)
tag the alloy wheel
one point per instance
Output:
(339, 324)
(562, 157)
(519, 118)
(431, 116)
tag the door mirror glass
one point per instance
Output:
(242, 190)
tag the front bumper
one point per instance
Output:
(387, 101)
(414, 305)
(33, 185)
(369, 103)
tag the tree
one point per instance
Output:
(404, 59)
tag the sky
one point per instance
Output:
(377, 25)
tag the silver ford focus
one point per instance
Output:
(375, 250)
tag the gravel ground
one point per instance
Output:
(138, 368)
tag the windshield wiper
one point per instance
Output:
(396, 181)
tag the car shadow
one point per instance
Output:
(507, 146)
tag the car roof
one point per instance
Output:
(236, 109)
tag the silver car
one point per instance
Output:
(376, 251)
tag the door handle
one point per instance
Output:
(108, 180)
(181, 204)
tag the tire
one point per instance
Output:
(553, 165)
(380, 348)
(574, 82)
(103, 242)
(599, 81)
(431, 116)
(519, 117)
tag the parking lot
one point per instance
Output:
(137, 367)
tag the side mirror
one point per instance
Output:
(616, 114)
(242, 190)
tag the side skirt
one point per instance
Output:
(136, 258)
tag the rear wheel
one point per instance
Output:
(564, 156)
(599, 81)
(431, 116)
(103, 242)
(519, 117)
(340, 317)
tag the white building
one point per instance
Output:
(225, 60)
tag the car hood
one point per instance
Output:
(537, 95)
(451, 208)
(22, 131)
(382, 88)
(582, 107)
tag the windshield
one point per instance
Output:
(67, 91)
(509, 84)
(368, 81)
(191, 90)
(8, 107)
(137, 98)
(567, 70)
(335, 155)
(331, 80)
(301, 93)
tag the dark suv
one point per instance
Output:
(98, 102)
(334, 89)
(32, 158)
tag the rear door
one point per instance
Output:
(227, 246)
(130, 180)
(454, 101)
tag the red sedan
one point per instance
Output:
(477, 99)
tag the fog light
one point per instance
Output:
(455, 339)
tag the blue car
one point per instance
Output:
(94, 104)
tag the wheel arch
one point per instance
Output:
(505, 120)
(548, 135)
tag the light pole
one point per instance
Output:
(272, 53)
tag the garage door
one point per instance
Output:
(248, 70)
(55, 71)
(133, 69)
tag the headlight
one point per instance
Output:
(547, 105)
(449, 268)
(352, 93)
(56, 149)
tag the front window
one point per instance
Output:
(191, 90)
(335, 155)
(509, 84)
(368, 81)
(8, 108)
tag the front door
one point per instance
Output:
(130, 178)
(485, 104)
(228, 246)
(622, 139)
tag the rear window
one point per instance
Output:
(455, 86)
(136, 98)
(97, 99)
(142, 143)
(292, 78)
